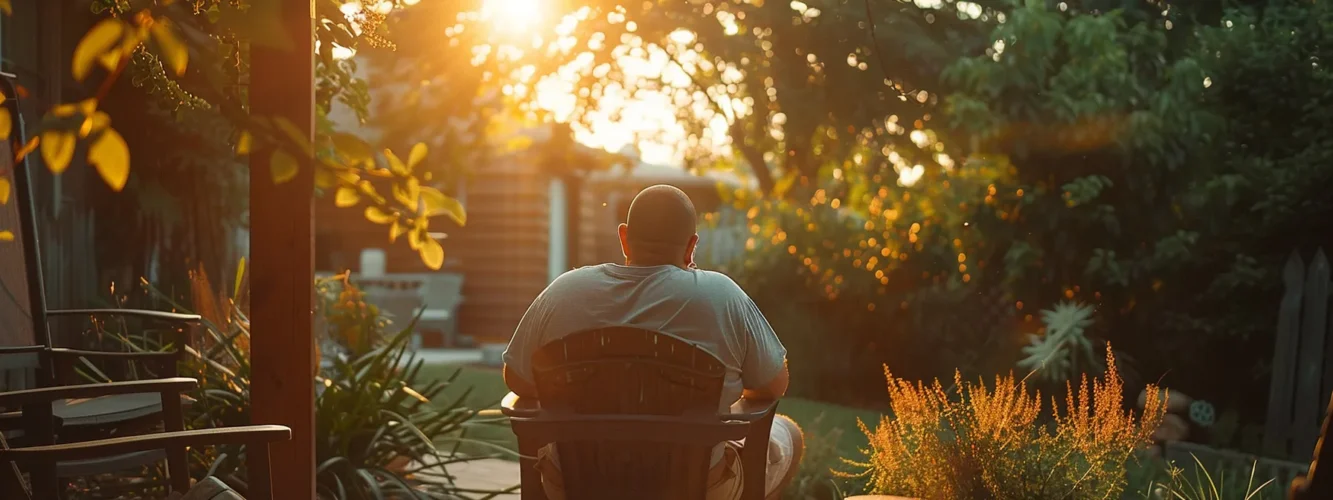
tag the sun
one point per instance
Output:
(512, 16)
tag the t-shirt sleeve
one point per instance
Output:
(528, 337)
(765, 355)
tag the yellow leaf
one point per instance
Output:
(4, 190)
(174, 53)
(6, 124)
(289, 128)
(27, 148)
(408, 192)
(95, 43)
(416, 237)
(244, 142)
(324, 179)
(432, 254)
(282, 166)
(395, 165)
(240, 273)
(396, 230)
(346, 197)
(57, 149)
(111, 157)
(88, 107)
(6, 7)
(6, 236)
(378, 216)
(417, 154)
(437, 203)
(64, 110)
(352, 148)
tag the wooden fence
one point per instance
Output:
(1302, 375)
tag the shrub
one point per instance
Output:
(377, 433)
(1204, 485)
(984, 443)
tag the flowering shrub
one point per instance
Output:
(972, 442)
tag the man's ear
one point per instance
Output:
(689, 250)
(623, 231)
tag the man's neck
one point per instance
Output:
(650, 263)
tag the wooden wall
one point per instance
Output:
(503, 249)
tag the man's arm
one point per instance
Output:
(772, 390)
(518, 385)
(764, 369)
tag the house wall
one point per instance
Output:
(504, 247)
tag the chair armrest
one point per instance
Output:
(248, 434)
(121, 356)
(27, 349)
(134, 313)
(49, 394)
(749, 410)
(514, 406)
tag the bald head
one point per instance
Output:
(660, 228)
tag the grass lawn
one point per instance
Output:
(487, 388)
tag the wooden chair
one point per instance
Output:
(634, 414)
(255, 438)
(29, 361)
(50, 415)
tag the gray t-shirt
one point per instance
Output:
(705, 308)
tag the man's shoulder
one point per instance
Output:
(719, 283)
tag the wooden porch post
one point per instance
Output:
(282, 256)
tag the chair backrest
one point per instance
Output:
(628, 371)
(22, 298)
(19, 369)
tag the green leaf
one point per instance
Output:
(346, 197)
(111, 157)
(432, 254)
(437, 203)
(417, 154)
(282, 166)
(57, 149)
(96, 42)
(174, 52)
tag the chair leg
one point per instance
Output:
(44, 482)
(530, 480)
(258, 473)
(178, 465)
(754, 458)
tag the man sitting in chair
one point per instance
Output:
(659, 288)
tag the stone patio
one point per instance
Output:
(491, 474)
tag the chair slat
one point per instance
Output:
(674, 385)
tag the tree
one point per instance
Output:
(158, 40)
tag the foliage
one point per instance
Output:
(163, 36)
(989, 443)
(1065, 350)
(1202, 485)
(377, 433)
(814, 480)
